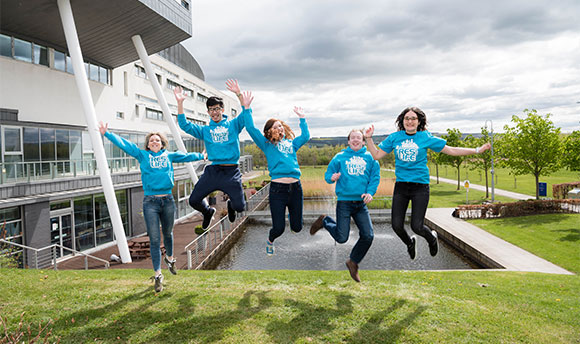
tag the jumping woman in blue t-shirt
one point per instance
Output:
(158, 205)
(410, 144)
(280, 146)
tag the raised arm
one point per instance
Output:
(186, 157)
(460, 151)
(185, 125)
(246, 101)
(304, 132)
(376, 152)
(232, 85)
(127, 146)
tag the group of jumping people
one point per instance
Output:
(355, 170)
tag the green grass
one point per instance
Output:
(296, 306)
(525, 184)
(554, 237)
(444, 195)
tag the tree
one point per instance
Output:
(453, 138)
(483, 160)
(532, 146)
(435, 158)
(571, 151)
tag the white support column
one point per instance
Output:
(82, 82)
(140, 47)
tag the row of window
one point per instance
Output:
(27, 51)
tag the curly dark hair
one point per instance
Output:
(420, 114)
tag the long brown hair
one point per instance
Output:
(289, 134)
(164, 142)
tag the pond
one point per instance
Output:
(301, 251)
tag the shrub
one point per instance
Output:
(520, 208)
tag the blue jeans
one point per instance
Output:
(418, 194)
(340, 229)
(218, 177)
(282, 196)
(159, 210)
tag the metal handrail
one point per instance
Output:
(54, 259)
(222, 228)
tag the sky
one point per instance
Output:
(350, 64)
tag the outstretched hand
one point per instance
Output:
(367, 198)
(369, 131)
(179, 96)
(299, 111)
(103, 127)
(484, 147)
(247, 99)
(232, 85)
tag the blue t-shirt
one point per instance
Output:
(221, 139)
(156, 168)
(411, 154)
(359, 174)
(282, 160)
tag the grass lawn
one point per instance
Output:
(444, 195)
(554, 237)
(294, 306)
(525, 184)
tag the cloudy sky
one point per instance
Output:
(350, 64)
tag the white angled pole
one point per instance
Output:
(138, 42)
(82, 82)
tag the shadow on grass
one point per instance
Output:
(110, 323)
(311, 320)
(573, 234)
(371, 331)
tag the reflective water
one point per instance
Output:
(302, 251)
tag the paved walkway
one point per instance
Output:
(497, 191)
(485, 246)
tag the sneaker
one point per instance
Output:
(317, 224)
(434, 246)
(269, 248)
(158, 283)
(412, 248)
(170, 265)
(231, 212)
(207, 218)
(353, 269)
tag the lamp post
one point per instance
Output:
(492, 171)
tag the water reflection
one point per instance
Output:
(302, 251)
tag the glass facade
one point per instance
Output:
(11, 230)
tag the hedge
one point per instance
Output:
(520, 208)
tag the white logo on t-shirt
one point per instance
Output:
(356, 166)
(285, 146)
(219, 134)
(160, 161)
(407, 151)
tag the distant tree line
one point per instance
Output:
(533, 145)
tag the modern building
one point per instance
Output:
(50, 190)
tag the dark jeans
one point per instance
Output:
(340, 229)
(223, 178)
(418, 194)
(159, 210)
(282, 196)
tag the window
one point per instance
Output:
(140, 72)
(31, 144)
(120, 115)
(136, 110)
(59, 61)
(47, 149)
(11, 230)
(153, 114)
(202, 98)
(22, 50)
(69, 65)
(83, 220)
(185, 4)
(5, 45)
(234, 112)
(40, 55)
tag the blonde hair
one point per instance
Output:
(164, 142)
(355, 131)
